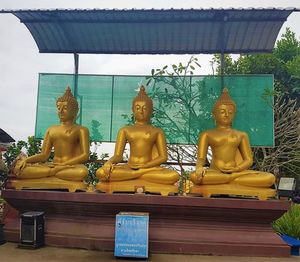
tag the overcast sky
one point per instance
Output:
(20, 61)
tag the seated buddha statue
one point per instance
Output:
(70, 143)
(229, 171)
(148, 151)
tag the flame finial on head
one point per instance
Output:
(142, 96)
(68, 93)
(224, 99)
(68, 97)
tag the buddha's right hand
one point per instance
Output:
(19, 166)
(200, 171)
(108, 168)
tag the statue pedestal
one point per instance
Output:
(235, 190)
(194, 225)
(132, 185)
(47, 183)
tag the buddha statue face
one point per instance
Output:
(224, 109)
(64, 111)
(142, 106)
(67, 106)
(141, 111)
(224, 114)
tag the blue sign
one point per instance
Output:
(131, 235)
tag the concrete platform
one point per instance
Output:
(9, 252)
(182, 225)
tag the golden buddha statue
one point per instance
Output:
(148, 151)
(70, 143)
(229, 171)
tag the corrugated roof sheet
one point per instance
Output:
(172, 31)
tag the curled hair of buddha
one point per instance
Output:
(72, 102)
(224, 99)
(142, 96)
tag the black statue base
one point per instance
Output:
(2, 238)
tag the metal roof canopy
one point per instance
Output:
(151, 31)
(5, 138)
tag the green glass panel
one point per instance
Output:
(254, 114)
(125, 88)
(182, 111)
(51, 86)
(95, 96)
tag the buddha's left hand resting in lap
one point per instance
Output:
(147, 149)
(70, 143)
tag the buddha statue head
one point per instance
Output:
(224, 109)
(142, 106)
(67, 106)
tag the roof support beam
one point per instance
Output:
(76, 66)
(222, 40)
(76, 69)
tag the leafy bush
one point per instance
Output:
(3, 179)
(32, 146)
(289, 222)
(3, 172)
(184, 183)
(92, 166)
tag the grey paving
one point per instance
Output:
(9, 252)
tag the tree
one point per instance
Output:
(179, 98)
(283, 62)
(176, 104)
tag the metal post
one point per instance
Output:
(112, 106)
(222, 70)
(225, 18)
(76, 65)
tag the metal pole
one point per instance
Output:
(222, 70)
(112, 106)
(76, 65)
(222, 49)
